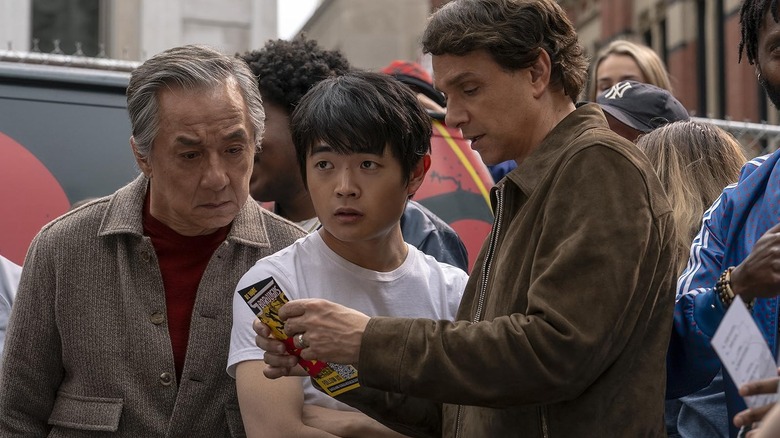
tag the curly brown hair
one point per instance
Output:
(513, 32)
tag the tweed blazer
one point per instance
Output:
(88, 352)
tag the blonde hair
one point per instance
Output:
(694, 162)
(646, 59)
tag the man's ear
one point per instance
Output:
(540, 72)
(418, 174)
(142, 161)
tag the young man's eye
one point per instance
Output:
(369, 165)
(322, 165)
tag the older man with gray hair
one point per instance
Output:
(122, 320)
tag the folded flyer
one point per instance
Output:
(265, 298)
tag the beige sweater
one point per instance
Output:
(88, 347)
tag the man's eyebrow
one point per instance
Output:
(320, 148)
(238, 134)
(460, 77)
(187, 141)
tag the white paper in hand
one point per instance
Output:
(744, 352)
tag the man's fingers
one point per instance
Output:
(742, 419)
(299, 314)
(774, 229)
(270, 344)
(750, 416)
(295, 308)
(766, 386)
(260, 328)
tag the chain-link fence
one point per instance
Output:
(756, 138)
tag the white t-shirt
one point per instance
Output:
(420, 288)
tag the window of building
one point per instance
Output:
(66, 26)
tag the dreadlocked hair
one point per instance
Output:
(750, 16)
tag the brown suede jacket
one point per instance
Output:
(565, 321)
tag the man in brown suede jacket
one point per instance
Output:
(565, 321)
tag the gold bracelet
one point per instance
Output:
(723, 287)
(725, 293)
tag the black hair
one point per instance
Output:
(286, 70)
(751, 15)
(362, 112)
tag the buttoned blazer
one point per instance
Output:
(88, 351)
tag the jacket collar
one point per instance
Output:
(125, 215)
(528, 173)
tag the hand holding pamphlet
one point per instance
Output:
(265, 298)
(744, 352)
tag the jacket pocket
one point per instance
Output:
(86, 413)
(234, 422)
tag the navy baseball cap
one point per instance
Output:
(643, 107)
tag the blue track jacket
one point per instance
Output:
(730, 228)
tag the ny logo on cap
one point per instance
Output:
(617, 90)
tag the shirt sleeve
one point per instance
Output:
(242, 335)
(32, 361)
(691, 361)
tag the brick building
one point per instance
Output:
(698, 40)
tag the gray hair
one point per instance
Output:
(187, 67)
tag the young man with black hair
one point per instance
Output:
(362, 144)
(285, 71)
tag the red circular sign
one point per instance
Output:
(30, 195)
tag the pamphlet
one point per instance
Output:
(265, 298)
(744, 352)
